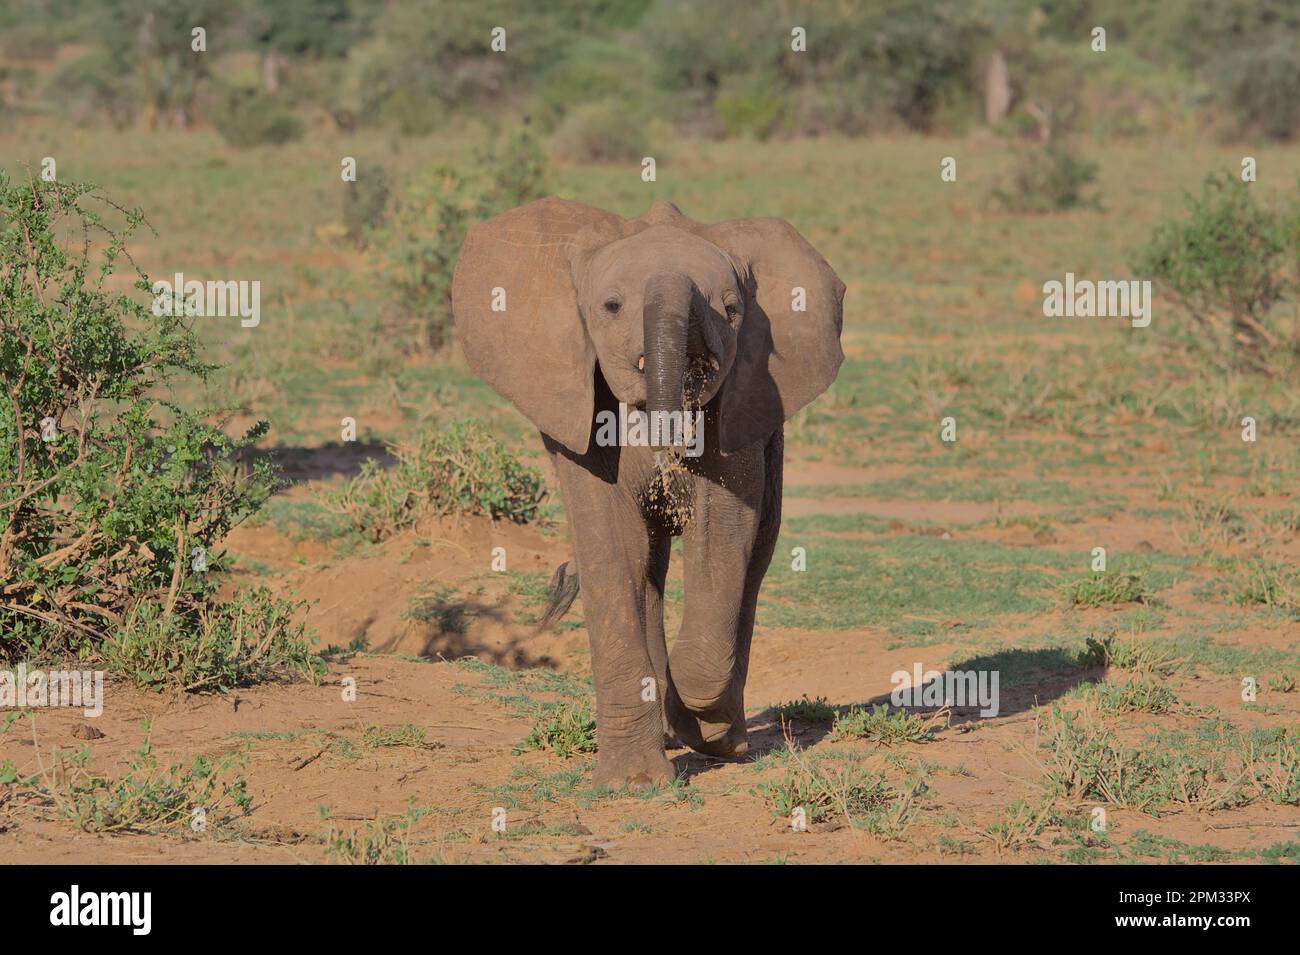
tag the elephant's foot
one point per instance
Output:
(727, 740)
(712, 729)
(636, 771)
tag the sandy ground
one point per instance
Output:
(303, 747)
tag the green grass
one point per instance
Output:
(326, 335)
(1145, 845)
(1144, 657)
(911, 583)
(825, 789)
(1081, 422)
(879, 725)
(1200, 651)
(408, 734)
(1268, 584)
(1217, 766)
(1137, 696)
(1106, 589)
(383, 841)
(815, 524)
(567, 728)
(203, 797)
(982, 490)
(1017, 827)
(302, 519)
(535, 680)
(460, 468)
(804, 710)
(891, 582)
(529, 787)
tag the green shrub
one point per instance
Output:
(804, 710)
(253, 637)
(365, 202)
(382, 841)
(824, 789)
(908, 58)
(1141, 657)
(1218, 767)
(429, 219)
(1259, 88)
(606, 131)
(513, 169)
(752, 105)
(1048, 179)
(878, 724)
(423, 61)
(1272, 760)
(694, 45)
(204, 797)
(1136, 696)
(1266, 583)
(895, 60)
(248, 117)
(420, 241)
(595, 69)
(566, 728)
(1224, 263)
(106, 489)
(463, 469)
(1104, 589)
(96, 83)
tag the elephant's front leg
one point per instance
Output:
(726, 553)
(612, 548)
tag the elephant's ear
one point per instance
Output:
(516, 313)
(789, 347)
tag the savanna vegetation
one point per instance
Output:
(190, 504)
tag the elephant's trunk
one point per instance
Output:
(667, 313)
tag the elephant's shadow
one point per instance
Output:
(1028, 678)
(299, 465)
(443, 627)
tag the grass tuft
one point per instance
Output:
(566, 728)
(1106, 589)
(201, 797)
(804, 710)
(463, 469)
(884, 727)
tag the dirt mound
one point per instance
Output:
(437, 594)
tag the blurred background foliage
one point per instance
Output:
(594, 75)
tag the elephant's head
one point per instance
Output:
(673, 312)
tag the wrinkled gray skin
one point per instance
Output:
(601, 310)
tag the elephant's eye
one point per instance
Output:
(612, 305)
(734, 309)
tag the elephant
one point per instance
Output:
(576, 316)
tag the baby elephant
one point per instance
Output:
(659, 358)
